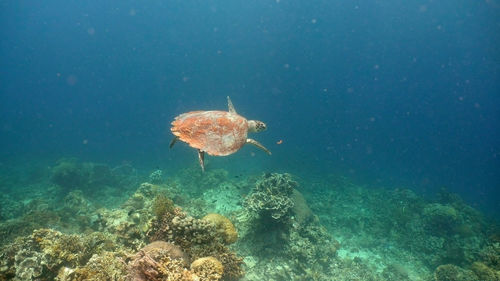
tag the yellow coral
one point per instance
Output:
(224, 226)
(207, 268)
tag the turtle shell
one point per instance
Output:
(214, 132)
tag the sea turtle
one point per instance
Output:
(217, 133)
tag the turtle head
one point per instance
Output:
(255, 126)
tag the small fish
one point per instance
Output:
(279, 142)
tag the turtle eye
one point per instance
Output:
(261, 126)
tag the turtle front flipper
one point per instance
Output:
(174, 140)
(201, 158)
(257, 144)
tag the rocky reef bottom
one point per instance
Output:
(90, 221)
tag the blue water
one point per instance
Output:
(390, 93)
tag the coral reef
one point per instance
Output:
(106, 254)
(198, 238)
(271, 196)
(484, 272)
(104, 266)
(450, 272)
(207, 268)
(166, 261)
(159, 261)
(69, 174)
(42, 254)
(440, 219)
(156, 177)
(91, 178)
(284, 231)
(143, 233)
(224, 226)
(162, 205)
(9, 208)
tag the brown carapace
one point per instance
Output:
(217, 133)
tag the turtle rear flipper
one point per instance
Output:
(201, 158)
(257, 144)
(174, 140)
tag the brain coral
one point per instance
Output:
(158, 249)
(207, 268)
(224, 226)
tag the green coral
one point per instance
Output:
(162, 205)
(440, 219)
(450, 272)
(485, 272)
(69, 174)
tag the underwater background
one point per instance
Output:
(382, 117)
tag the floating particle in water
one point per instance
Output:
(71, 80)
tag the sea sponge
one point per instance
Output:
(208, 268)
(224, 226)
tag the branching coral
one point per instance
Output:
(178, 227)
(272, 196)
